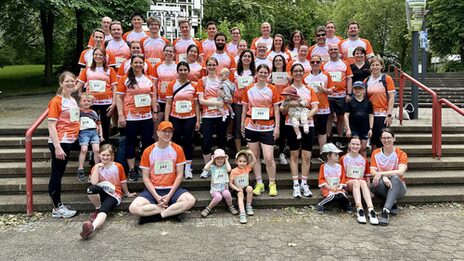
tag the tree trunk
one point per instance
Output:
(79, 37)
(47, 22)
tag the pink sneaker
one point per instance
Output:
(87, 230)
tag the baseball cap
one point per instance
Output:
(165, 125)
(219, 153)
(290, 91)
(330, 147)
(359, 84)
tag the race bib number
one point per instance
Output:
(244, 81)
(333, 181)
(259, 113)
(279, 78)
(154, 61)
(164, 87)
(163, 167)
(183, 57)
(142, 100)
(87, 123)
(355, 172)
(219, 176)
(336, 76)
(315, 85)
(97, 86)
(294, 56)
(212, 107)
(350, 52)
(183, 106)
(241, 181)
(119, 61)
(74, 114)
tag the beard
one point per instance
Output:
(220, 46)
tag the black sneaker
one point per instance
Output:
(349, 208)
(384, 218)
(149, 219)
(320, 209)
(80, 175)
(394, 209)
(133, 175)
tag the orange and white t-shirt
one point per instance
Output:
(334, 40)
(86, 58)
(259, 61)
(91, 43)
(232, 48)
(225, 60)
(332, 176)
(314, 81)
(134, 36)
(271, 54)
(240, 177)
(355, 168)
(322, 51)
(209, 47)
(293, 53)
(66, 114)
(126, 65)
(306, 65)
(377, 94)
(268, 42)
(115, 175)
(196, 72)
(309, 95)
(181, 45)
(120, 50)
(348, 46)
(260, 101)
(210, 88)
(137, 100)
(339, 71)
(183, 104)
(153, 48)
(381, 162)
(280, 80)
(241, 82)
(162, 164)
(164, 74)
(99, 84)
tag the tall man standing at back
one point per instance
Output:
(105, 25)
(208, 44)
(348, 45)
(265, 37)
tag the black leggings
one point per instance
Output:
(134, 128)
(209, 126)
(184, 129)
(108, 202)
(57, 170)
(339, 198)
(282, 134)
(105, 120)
(379, 124)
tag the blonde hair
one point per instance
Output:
(379, 59)
(61, 79)
(87, 95)
(225, 70)
(107, 147)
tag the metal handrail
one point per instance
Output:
(439, 120)
(28, 144)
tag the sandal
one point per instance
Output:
(205, 212)
(233, 210)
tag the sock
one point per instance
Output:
(259, 180)
(248, 204)
(295, 180)
(188, 165)
(369, 209)
(304, 180)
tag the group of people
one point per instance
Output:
(266, 93)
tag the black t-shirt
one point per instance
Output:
(359, 112)
(359, 74)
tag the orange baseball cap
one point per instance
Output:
(165, 125)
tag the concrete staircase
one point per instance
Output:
(428, 180)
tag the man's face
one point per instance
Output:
(212, 30)
(353, 30)
(154, 28)
(105, 23)
(98, 38)
(185, 29)
(266, 29)
(262, 49)
(330, 28)
(220, 42)
(137, 21)
(236, 35)
(116, 31)
(333, 51)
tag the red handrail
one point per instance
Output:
(28, 144)
(403, 77)
(439, 120)
(395, 70)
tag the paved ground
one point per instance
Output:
(432, 232)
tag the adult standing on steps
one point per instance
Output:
(162, 166)
(388, 166)
(63, 128)
(260, 125)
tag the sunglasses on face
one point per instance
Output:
(320, 35)
(315, 62)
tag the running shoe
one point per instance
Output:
(80, 175)
(259, 188)
(361, 216)
(373, 218)
(296, 191)
(63, 212)
(306, 191)
(273, 189)
(283, 160)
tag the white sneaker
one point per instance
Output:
(361, 216)
(373, 218)
(204, 174)
(296, 191)
(63, 212)
(283, 160)
(306, 191)
(188, 173)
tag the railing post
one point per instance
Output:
(29, 199)
(438, 130)
(400, 109)
(436, 124)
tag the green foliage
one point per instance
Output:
(453, 66)
(24, 79)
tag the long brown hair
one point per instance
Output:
(94, 64)
(130, 74)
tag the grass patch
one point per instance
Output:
(24, 79)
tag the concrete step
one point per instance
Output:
(70, 183)
(422, 138)
(418, 129)
(80, 202)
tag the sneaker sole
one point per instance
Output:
(63, 216)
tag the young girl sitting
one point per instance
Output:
(332, 179)
(296, 114)
(357, 174)
(219, 168)
(108, 184)
(239, 182)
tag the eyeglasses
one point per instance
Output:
(315, 62)
(298, 71)
(386, 138)
(320, 35)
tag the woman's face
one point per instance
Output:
(98, 56)
(278, 62)
(296, 38)
(137, 64)
(263, 74)
(183, 72)
(192, 55)
(68, 83)
(297, 72)
(278, 41)
(211, 66)
(135, 48)
(359, 56)
(376, 67)
(387, 139)
(168, 53)
(246, 58)
(355, 145)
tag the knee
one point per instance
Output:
(191, 200)
(134, 209)
(249, 189)
(306, 159)
(395, 179)
(84, 149)
(356, 183)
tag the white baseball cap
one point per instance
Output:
(330, 147)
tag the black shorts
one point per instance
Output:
(162, 192)
(337, 105)
(360, 132)
(306, 141)
(245, 193)
(162, 106)
(265, 137)
(108, 202)
(320, 124)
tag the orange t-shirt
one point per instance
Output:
(66, 114)
(238, 173)
(260, 101)
(377, 94)
(306, 65)
(86, 58)
(241, 82)
(134, 36)
(120, 50)
(164, 74)
(332, 176)
(355, 168)
(153, 48)
(322, 51)
(183, 104)
(322, 79)
(210, 89)
(209, 47)
(181, 45)
(339, 71)
(305, 93)
(348, 46)
(162, 164)
(99, 82)
(382, 162)
(115, 175)
(126, 65)
(137, 100)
